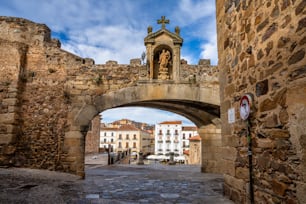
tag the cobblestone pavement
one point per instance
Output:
(122, 184)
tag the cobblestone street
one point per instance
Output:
(154, 183)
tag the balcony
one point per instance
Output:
(168, 141)
(160, 150)
(160, 141)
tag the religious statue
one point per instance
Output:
(164, 59)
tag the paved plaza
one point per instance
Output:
(122, 184)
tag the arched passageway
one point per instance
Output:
(198, 104)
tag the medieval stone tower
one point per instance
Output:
(261, 50)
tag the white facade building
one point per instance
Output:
(108, 138)
(187, 133)
(171, 136)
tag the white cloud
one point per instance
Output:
(114, 30)
(209, 52)
(140, 114)
(107, 43)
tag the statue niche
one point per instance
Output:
(163, 64)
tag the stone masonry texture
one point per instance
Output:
(261, 47)
(49, 96)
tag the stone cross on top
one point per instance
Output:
(163, 21)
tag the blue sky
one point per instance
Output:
(114, 29)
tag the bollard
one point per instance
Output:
(140, 159)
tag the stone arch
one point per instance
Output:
(156, 54)
(194, 102)
(187, 100)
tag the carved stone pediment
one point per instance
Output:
(165, 35)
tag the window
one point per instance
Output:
(120, 145)
(112, 140)
(189, 135)
(112, 134)
(120, 137)
(134, 144)
(160, 132)
(134, 136)
(105, 134)
(176, 132)
(168, 132)
(184, 136)
(127, 145)
(104, 140)
(127, 136)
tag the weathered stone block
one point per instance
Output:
(262, 87)
(264, 143)
(229, 153)
(6, 138)
(276, 133)
(8, 118)
(271, 121)
(298, 73)
(301, 24)
(262, 25)
(300, 7)
(297, 56)
(242, 173)
(267, 105)
(270, 31)
(279, 187)
(234, 182)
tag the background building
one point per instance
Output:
(187, 133)
(171, 136)
(107, 138)
(123, 136)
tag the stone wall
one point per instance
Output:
(92, 139)
(261, 47)
(211, 150)
(48, 96)
(40, 86)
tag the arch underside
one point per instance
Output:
(201, 105)
(198, 112)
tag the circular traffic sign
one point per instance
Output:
(245, 106)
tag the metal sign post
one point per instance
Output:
(245, 110)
